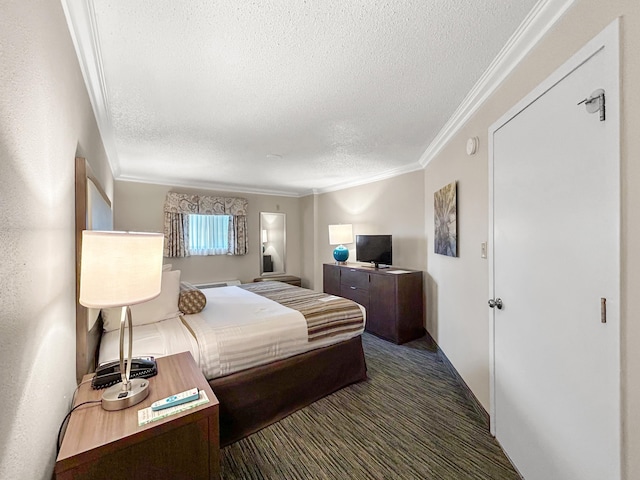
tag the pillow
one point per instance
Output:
(192, 300)
(163, 307)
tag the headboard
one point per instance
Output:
(93, 212)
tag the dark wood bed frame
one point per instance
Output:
(251, 399)
(254, 398)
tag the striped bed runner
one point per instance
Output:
(326, 315)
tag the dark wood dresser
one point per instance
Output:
(393, 298)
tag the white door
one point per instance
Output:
(555, 219)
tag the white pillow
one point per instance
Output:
(163, 307)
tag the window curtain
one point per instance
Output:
(178, 206)
(238, 240)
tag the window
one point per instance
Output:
(208, 234)
(225, 236)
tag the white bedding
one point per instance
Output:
(237, 330)
(154, 339)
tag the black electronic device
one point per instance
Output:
(108, 374)
(375, 249)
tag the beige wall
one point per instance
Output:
(461, 327)
(395, 206)
(45, 120)
(308, 214)
(139, 207)
(457, 287)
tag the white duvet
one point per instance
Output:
(237, 330)
(152, 340)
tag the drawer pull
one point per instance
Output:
(352, 288)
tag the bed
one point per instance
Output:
(252, 396)
(267, 349)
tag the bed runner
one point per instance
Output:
(326, 315)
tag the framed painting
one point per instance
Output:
(445, 213)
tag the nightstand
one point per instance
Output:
(100, 444)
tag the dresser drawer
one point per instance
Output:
(354, 278)
(358, 295)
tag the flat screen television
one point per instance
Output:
(375, 249)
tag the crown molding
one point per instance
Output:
(226, 187)
(539, 21)
(374, 178)
(218, 187)
(81, 21)
(82, 26)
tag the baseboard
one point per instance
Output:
(477, 406)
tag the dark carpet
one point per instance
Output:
(409, 420)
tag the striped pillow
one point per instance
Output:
(191, 300)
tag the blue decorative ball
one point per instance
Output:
(341, 253)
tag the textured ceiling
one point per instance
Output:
(282, 96)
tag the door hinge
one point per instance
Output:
(603, 310)
(595, 103)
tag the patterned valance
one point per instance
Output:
(181, 203)
(208, 205)
(205, 204)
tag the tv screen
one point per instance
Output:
(374, 248)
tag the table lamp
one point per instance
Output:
(339, 235)
(119, 269)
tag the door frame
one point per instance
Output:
(609, 41)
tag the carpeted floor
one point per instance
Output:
(409, 420)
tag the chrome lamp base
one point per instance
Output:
(117, 397)
(130, 391)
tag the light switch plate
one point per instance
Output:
(483, 249)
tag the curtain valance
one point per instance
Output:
(205, 204)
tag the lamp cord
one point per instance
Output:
(67, 417)
(64, 421)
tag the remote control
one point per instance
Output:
(177, 399)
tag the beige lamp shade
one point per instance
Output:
(340, 234)
(120, 268)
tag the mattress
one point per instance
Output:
(236, 330)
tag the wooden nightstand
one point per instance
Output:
(100, 444)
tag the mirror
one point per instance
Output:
(273, 239)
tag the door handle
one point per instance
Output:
(497, 303)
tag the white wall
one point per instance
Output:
(139, 207)
(45, 120)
